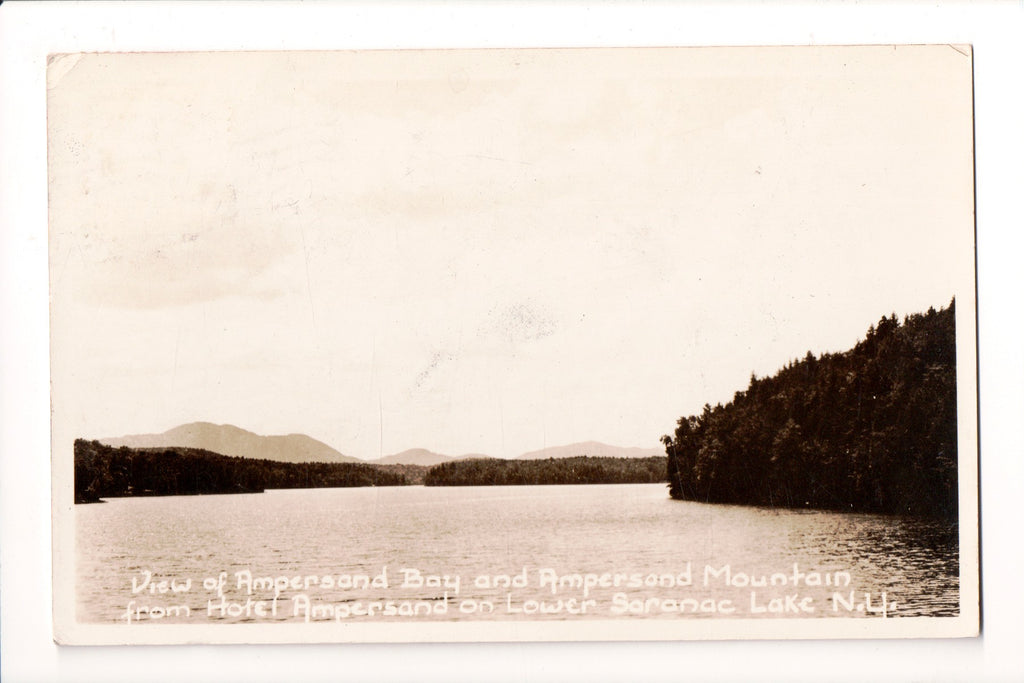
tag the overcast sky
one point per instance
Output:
(487, 251)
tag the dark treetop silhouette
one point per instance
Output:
(104, 471)
(872, 429)
(575, 470)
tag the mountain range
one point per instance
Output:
(594, 449)
(231, 440)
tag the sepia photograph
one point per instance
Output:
(488, 345)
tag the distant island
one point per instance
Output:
(872, 429)
(572, 470)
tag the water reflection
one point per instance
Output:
(506, 531)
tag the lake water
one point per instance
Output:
(616, 551)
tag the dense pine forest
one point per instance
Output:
(872, 429)
(104, 471)
(413, 474)
(575, 470)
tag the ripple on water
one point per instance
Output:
(500, 531)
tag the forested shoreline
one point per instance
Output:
(106, 472)
(103, 471)
(575, 470)
(872, 429)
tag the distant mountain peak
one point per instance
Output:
(420, 456)
(594, 449)
(228, 439)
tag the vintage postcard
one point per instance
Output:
(513, 345)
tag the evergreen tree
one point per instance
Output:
(871, 429)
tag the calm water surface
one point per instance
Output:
(526, 533)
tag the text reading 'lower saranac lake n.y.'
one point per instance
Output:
(399, 593)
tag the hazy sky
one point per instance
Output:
(487, 251)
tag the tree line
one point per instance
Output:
(574, 470)
(103, 471)
(870, 429)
